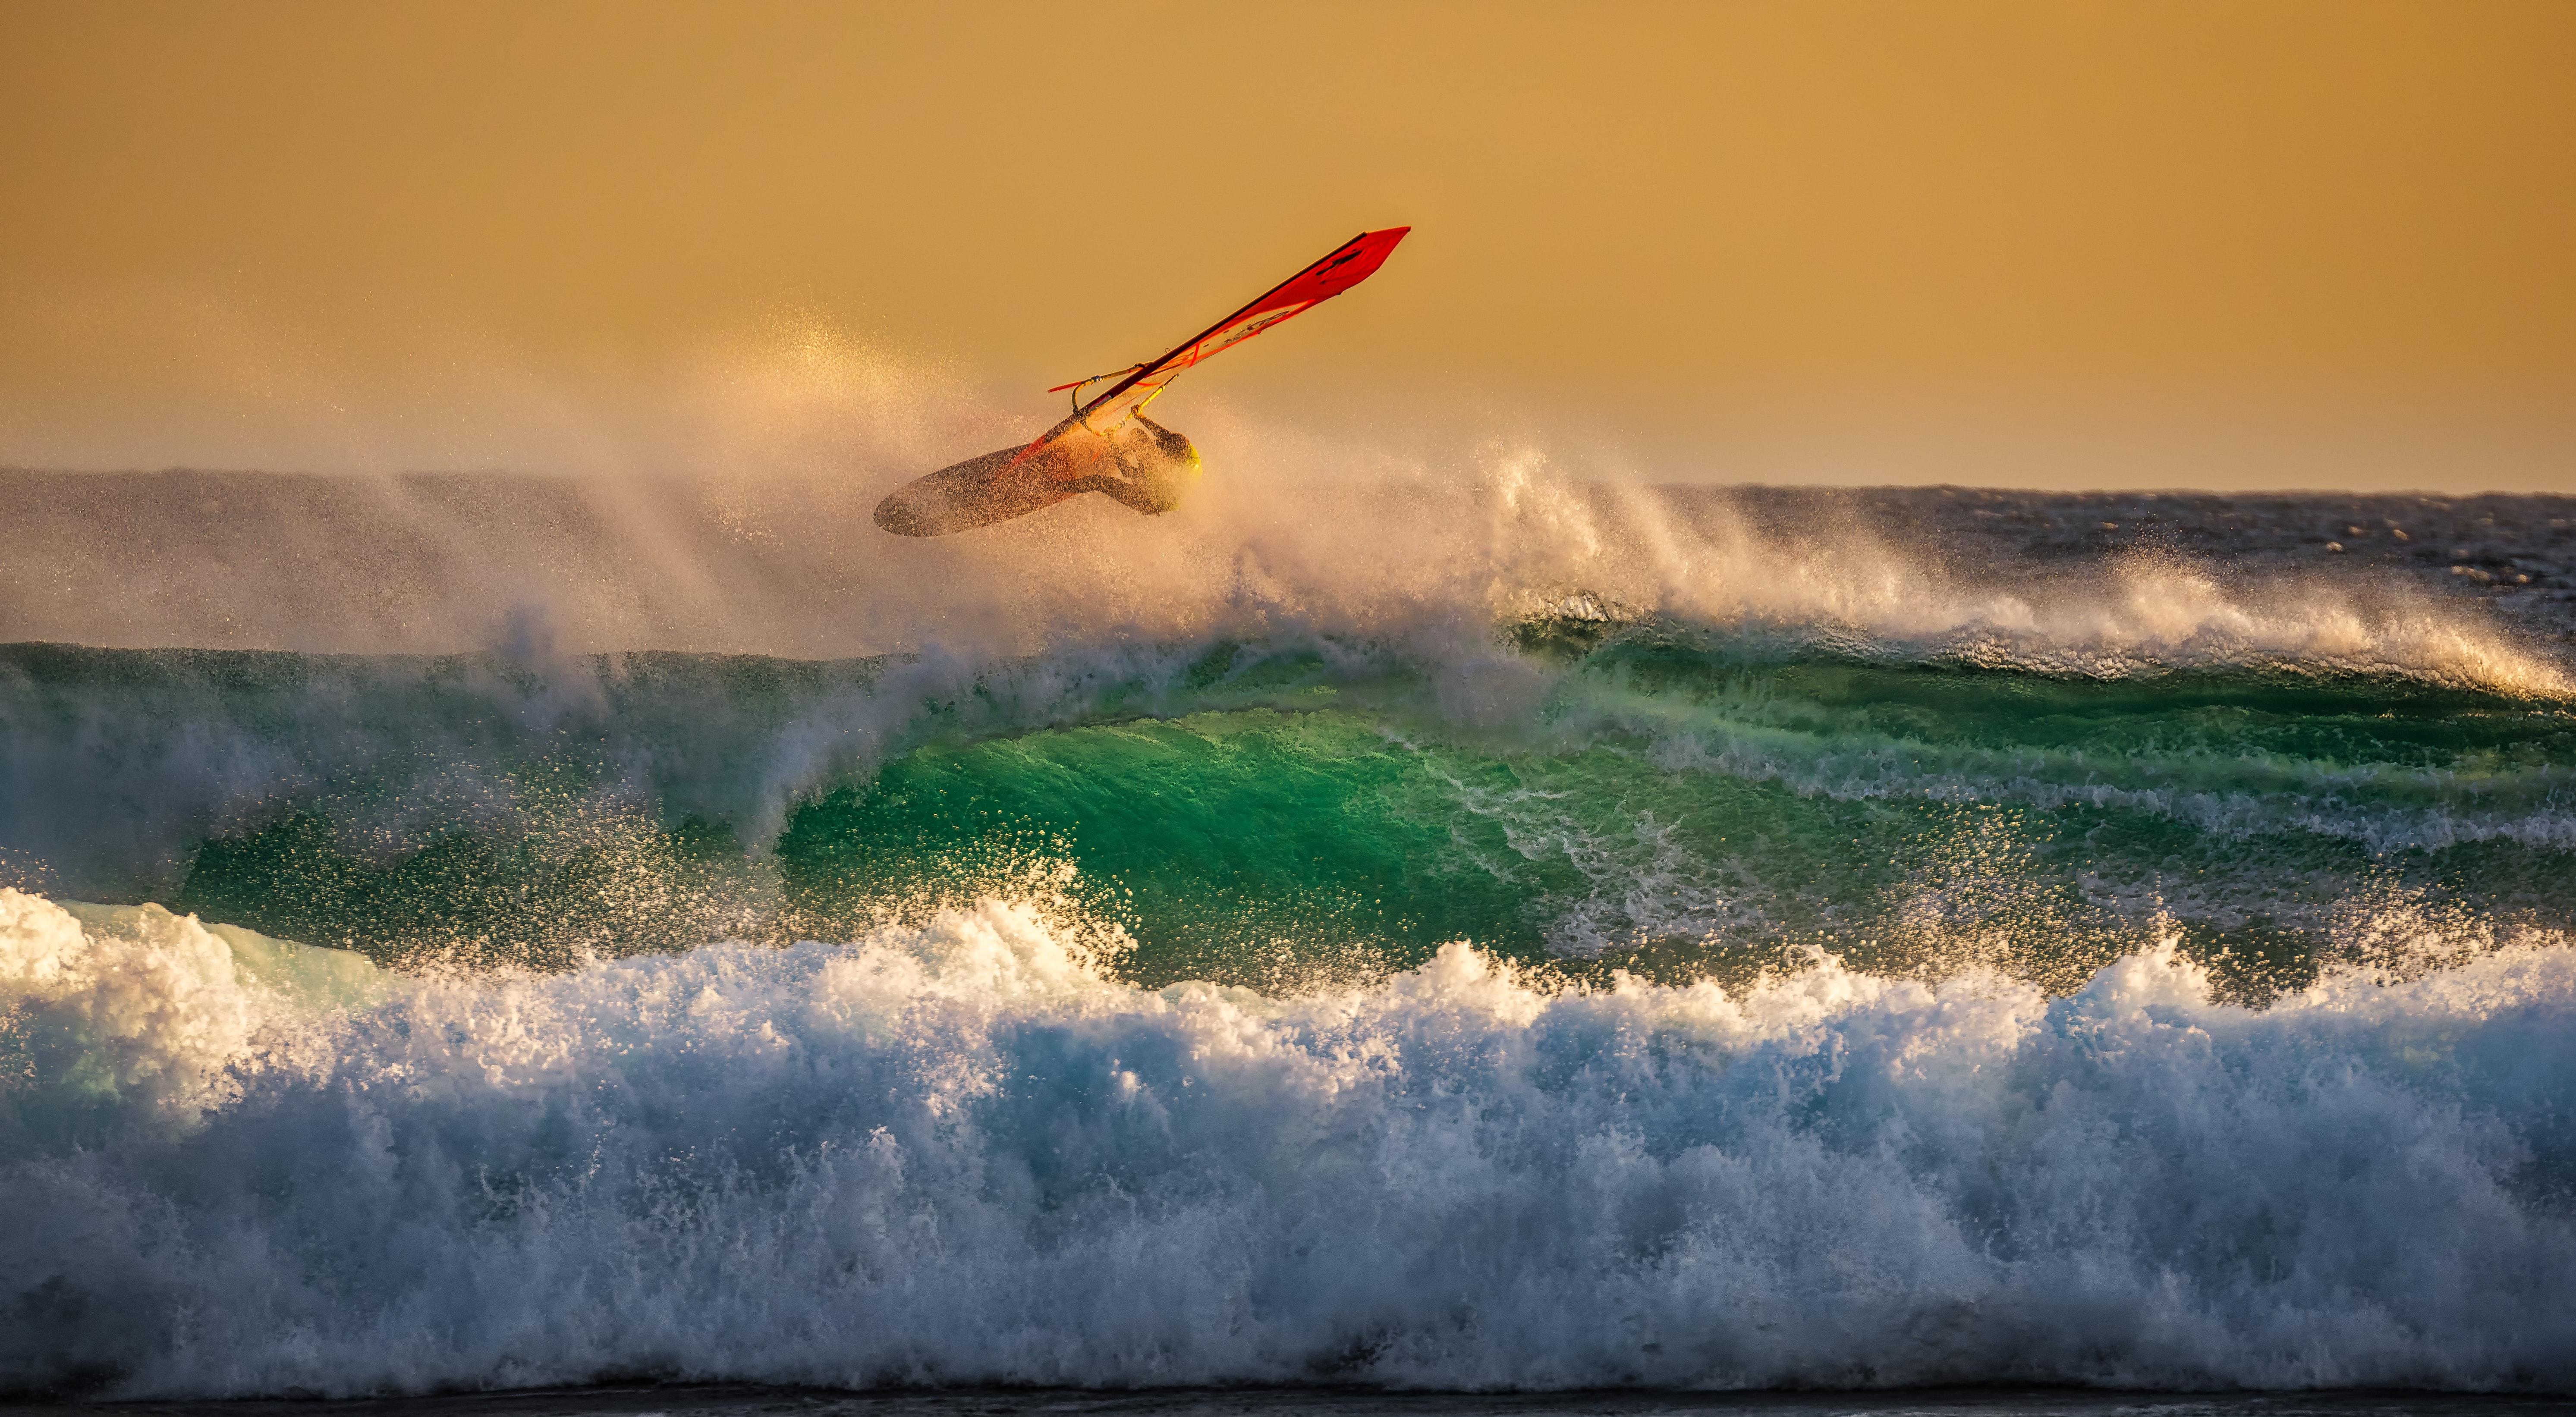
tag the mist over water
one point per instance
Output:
(1431, 918)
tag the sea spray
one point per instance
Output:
(1535, 935)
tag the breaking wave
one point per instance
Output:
(1538, 936)
(964, 1151)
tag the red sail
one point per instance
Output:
(1349, 264)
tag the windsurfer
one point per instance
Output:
(1154, 467)
(1136, 461)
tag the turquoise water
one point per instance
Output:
(1664, 802)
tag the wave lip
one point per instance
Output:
(960, 1152)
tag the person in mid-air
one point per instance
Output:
(1154, 467)
(1108, 445)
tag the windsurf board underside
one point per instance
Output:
(977, 492)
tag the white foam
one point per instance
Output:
(145, 1011)
(958, 1151)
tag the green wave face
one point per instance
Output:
(1676, 812)
(1273, 814)
(1668, 807)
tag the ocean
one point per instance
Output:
(1514, 937)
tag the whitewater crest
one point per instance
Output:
(1427, 548)
(1889, 589)
(961, 1150)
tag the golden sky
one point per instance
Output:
(1654, 216)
